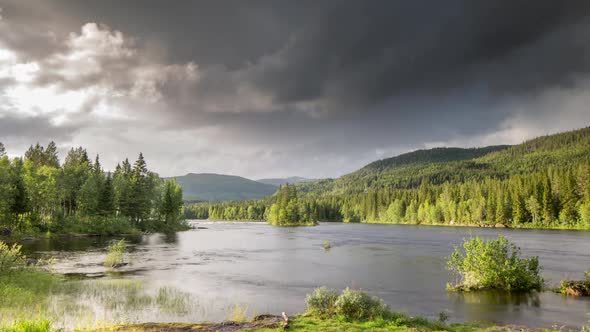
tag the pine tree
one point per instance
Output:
(106, 201)
(548, 207)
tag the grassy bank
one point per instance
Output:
(308, 323)
(34, 299)
(95, 226)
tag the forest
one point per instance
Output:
(38, 194)
(542, 183)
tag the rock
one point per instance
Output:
(31, 261)
(200, 227)
(5, 231)
(499, 225)
(118, 265)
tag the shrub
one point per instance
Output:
(321, 301)
(494, 264)
(115, 254)
(357, 305)
(11, 258)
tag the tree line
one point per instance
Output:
(38, 193)
(555, 197)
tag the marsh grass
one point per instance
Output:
(172, 300)
(41, 325)
(115, 254)
(238, 313)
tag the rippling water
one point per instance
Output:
(269, 269)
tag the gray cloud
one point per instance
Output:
(272, 88)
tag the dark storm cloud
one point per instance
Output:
(281, 86)
(361, 52)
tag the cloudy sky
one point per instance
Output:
(279, 88)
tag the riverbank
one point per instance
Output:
(300, 323)
(575, 227)
(497, 225)
(93, 227)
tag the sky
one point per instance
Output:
(273, 88)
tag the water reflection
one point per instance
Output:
(496, 298)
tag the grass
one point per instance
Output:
(27, 291)
(311, 323)
(239, 313)
(172, 300)
(115, 254)
(41, 325)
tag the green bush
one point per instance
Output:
(11, 258)
(321, 301)
(359, 306)
(350, 305)
(493, 264)
(115, 254)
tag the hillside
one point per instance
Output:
(217, 187)
(441, 165)
(541, 183)
(281, 181)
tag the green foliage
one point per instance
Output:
(11, 258)
(38, 194)
(493, 264)
(171, 206)
(115, 254)
(322, 301)
(351, 305)
(288, 210)
(41, 325)
(357, 305)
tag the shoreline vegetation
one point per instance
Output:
(493, 264)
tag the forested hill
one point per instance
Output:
(436, 155)
(541, 183)
(281, 181)
(440, 165)
(218, 187)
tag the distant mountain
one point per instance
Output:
(218, 187)
(281, 181)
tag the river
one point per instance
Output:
(270, 269)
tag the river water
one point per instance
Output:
(270, 269)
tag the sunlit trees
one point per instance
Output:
(171, 205)
(40, 194)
